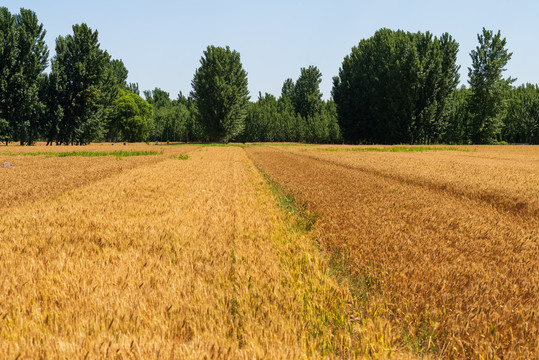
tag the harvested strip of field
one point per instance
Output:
(456, 277)
(177, 259)
(506, 177)
(32, 177)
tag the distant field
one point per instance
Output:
(269, 251)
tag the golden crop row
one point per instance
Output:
(506, 177)
(455, 273)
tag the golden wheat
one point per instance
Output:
(503, 176)
(32, 177)
(170, 259)
(455, 275)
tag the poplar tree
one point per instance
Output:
(7, 63)
(306, 95)
(395, 87)
(221, 94)
(488, 86)
(86, 85)
(23, 58)
(130, 117)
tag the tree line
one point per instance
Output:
(394, 87)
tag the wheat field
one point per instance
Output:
(268, 251)
(443, 244)
(163, 258)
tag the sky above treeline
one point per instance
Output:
(161, 42)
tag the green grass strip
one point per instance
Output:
(180, 157)
(223, 145)
(118, 153)
(395, 149)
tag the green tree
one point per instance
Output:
(157, 98)
(23, 58)
(395, 87)
(303, 115)
(288, 88)
(306, 95)
(119, 72)
(133, 87)
(131, 116)
(220, 91)
(171, 123)
(7, 66)
(50, 118)
(293, 126)
(262, 122)
(4, 131)
(488, 86)
(86, 85)
(458, 117)
(521, 119)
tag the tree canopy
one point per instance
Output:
(394, 87)
(86, 85)
(131, 117)
(220, 90)
(488, 86)
(23, 58)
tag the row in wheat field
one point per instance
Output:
(42, 171)
(455, 276)
(176, 259)
(506, 177)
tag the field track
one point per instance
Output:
(456, 271)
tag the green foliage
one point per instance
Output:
(4, 131)
(299, 114)
(23, 58)
(119, 153)
(457, 131)
(305, 95)
(157, 98)
(87, 85)
(221, 94)
(521, 118)
(133, 87)
(131, 116)
(322, 126)
(180, 157)
(395, 86)
(394, 149)
(119, 73)
(173, 120)
(170, 123)
(271, 120)
(262, 120)
(50, 118)
(488, 86)
(288, 88)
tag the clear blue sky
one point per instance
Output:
(161, 42)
